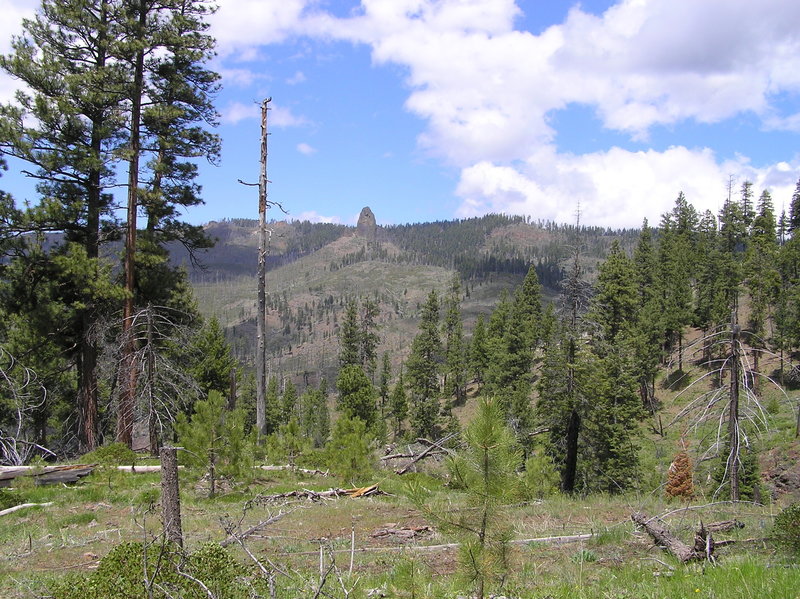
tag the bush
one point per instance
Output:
(348, 453)
(121, 574)
(786, 531)
(540, 478)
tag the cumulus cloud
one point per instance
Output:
(315, 217)
(306, 149)
(486, 92)
(298, 77)
(613, 188)
(235, 112)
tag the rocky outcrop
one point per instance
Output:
(367, 227)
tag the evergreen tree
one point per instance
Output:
(675, 257)
(315, 421)
(455, 350)
(479, 351)
(383, 385)
(288, 401)
(215, 440)
(69, 127)
(528, 300)
(648, 327)
(423, 367)
(761, 269)
(486, 470)
(349, 337)
(616, 298)
(368, 337)
(356, 395)
(272, 410)
(212, 360)
(399, 405)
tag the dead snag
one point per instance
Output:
(170, 495)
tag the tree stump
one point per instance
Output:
(170, 496)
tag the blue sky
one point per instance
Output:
(441, 109)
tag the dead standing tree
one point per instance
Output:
(729, 406)
(263, 250)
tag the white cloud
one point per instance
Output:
(235, 112)
(298, 77)
(279, 116)
(314, 217)
(10, 25)
(614, 188)
(240, 26)
(306, 149)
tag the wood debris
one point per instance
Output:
(704, 543)
(403, 532)
(48, 475)
(318, 495)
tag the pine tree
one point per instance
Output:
(486, 470)
(368, 337)
(422, 368)
(288, 401)
(649, 325)
(349, 337)
(479, 351)
(315, 420)
(356, 395)
(212, 359)
(272, 408)
(383, 384)
(616, 298)
(399, 405)
(454, 347)
(215, 440)
(69, 127)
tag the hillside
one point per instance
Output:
(314, 269)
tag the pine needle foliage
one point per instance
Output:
(486, 470)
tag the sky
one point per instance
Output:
(430, 110)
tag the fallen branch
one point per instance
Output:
(291, 468)
(317, 495)
(548, 540)
(237, 538)
(704, 544)
(426, 452)
(22, 506)
(405, 532)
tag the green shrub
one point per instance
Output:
(117, 454)
(786, 531)
(123, 572)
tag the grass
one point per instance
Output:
(619, 562)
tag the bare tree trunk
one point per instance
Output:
(261, 316)
(170, 495)
(129, 375)
(733, 412)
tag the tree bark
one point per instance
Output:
(261, 316)
(129, 374)
(170, 496)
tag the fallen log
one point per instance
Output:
(318, 495)
(23, 506)
(432, 445)
(48, 475)
(704, 544)
(404, 532)
(291, 468)
(444, 546)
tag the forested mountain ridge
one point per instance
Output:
(315, 268)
